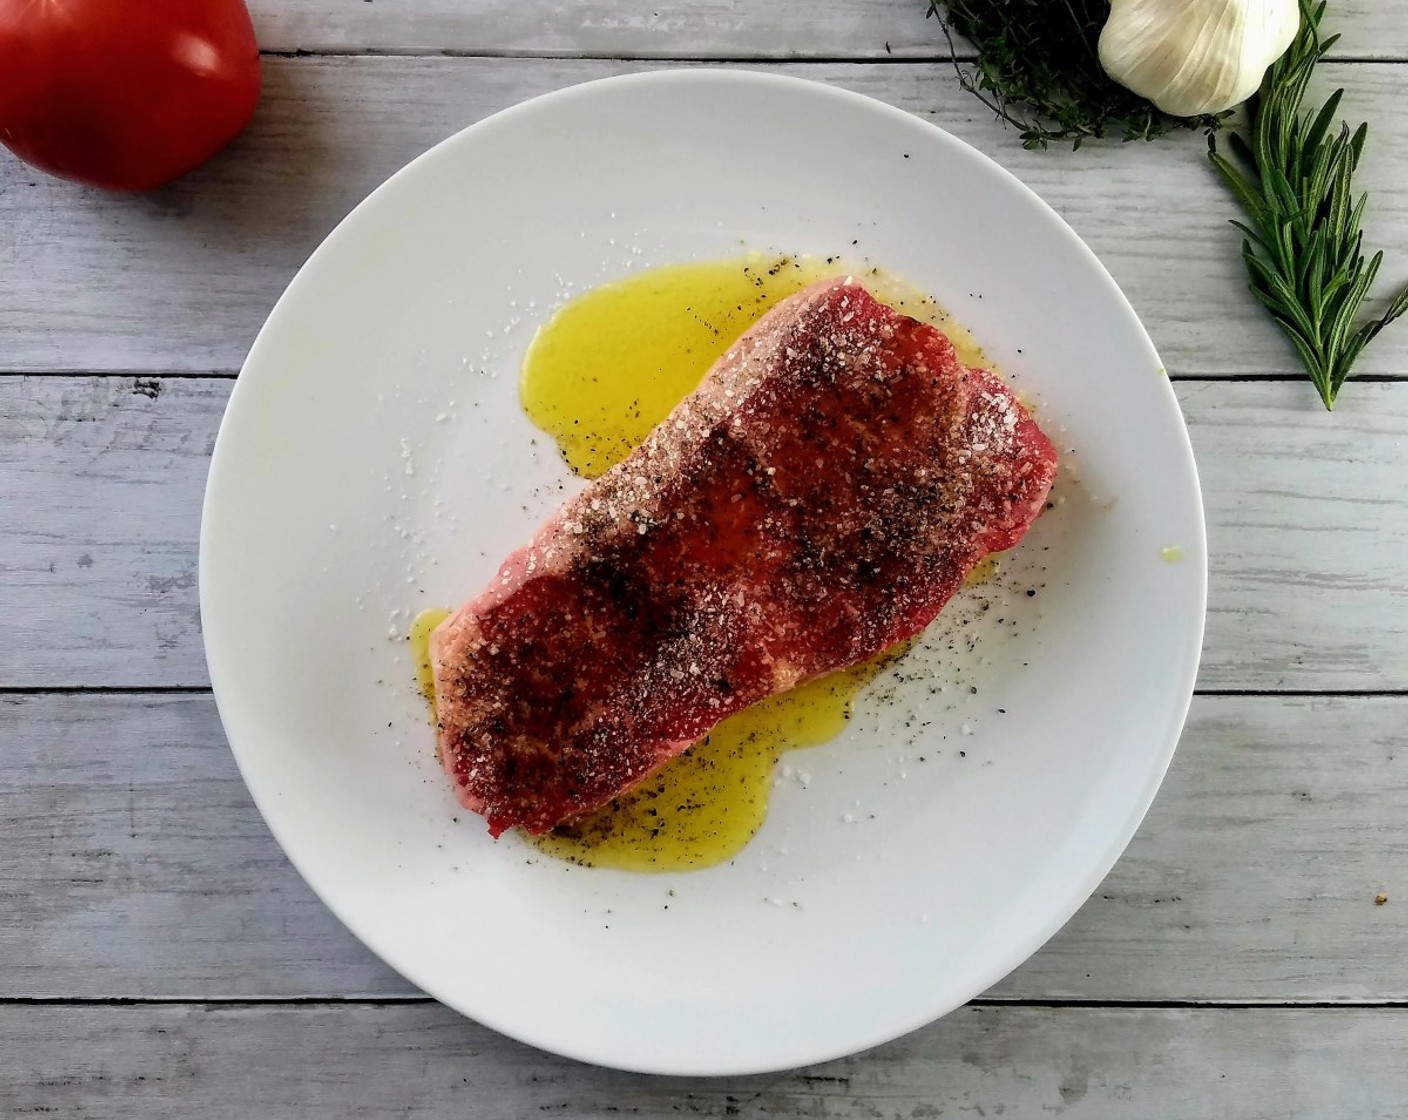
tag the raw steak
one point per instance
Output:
(818, 498)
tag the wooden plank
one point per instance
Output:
(100, 490)
(133, 862)
(1308, 535)
(134, 865)
(101, 480)
(1256, 873)
(612, 28)
(686, 28)
(419, 1062)
(182, 279)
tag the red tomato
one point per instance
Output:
(125, 94)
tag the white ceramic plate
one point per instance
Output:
(374, 460)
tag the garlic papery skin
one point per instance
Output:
(1191, 57)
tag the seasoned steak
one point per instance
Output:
(817, 499)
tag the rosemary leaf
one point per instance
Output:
(1303, 244)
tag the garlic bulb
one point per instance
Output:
(1195, 56)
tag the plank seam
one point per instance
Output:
(106, 690)
(205, 689)
(985, 1001)
(231, 375)
(1195, 1004)
(1365, 379)
(512, 54)
(1304, 693)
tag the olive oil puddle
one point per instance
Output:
(598, 377)
(612, 363)
(424, 623)
(703, 807)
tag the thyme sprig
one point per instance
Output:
(1039, 69)
(1303, 244)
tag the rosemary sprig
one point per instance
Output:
(1039, 70)
(1303, 244)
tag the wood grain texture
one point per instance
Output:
(134, 862)
(100, 491)
(1308, 535)
(101, 479)
(421, 1062)
(684, 28)
(134, 865)
(182, 279)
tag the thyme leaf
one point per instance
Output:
(1039, 70)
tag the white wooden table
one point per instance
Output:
(160, 958)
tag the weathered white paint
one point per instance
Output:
(685, 28)
(421, 1062)
(182, 279)
(101, 480)
(100, 491)
(134, 864)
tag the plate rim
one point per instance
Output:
(1195, 552)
